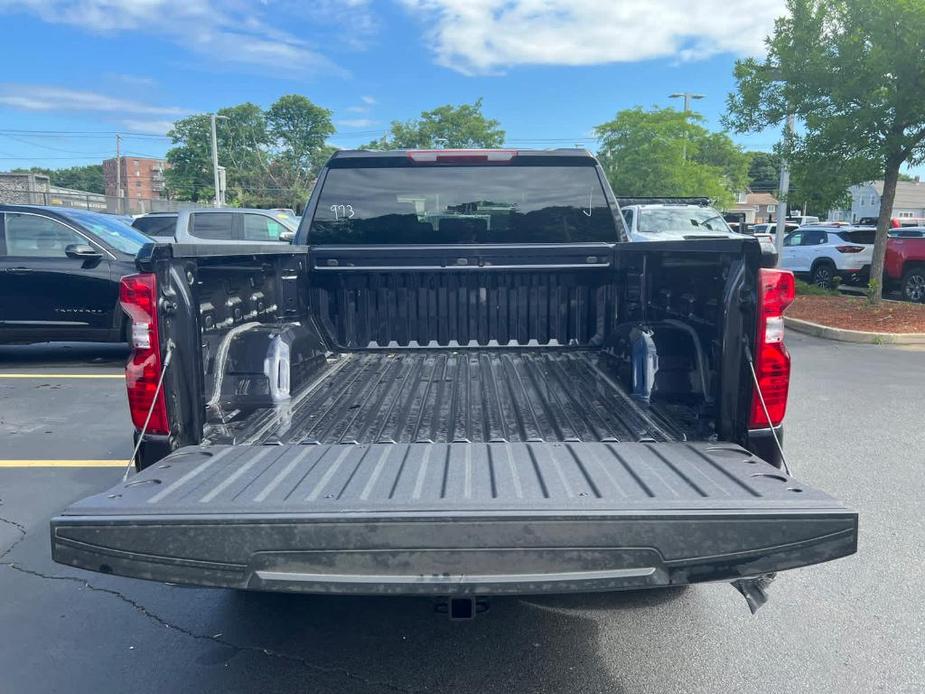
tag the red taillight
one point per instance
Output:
(776, 291)
(138, 297)
(849, 249)
(461, 156)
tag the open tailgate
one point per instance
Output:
(459, 518)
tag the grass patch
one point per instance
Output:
(807, 289)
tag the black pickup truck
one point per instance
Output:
(460, 381)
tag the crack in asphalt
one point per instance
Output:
(22, 535)
(269, 652)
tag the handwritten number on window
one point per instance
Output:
(342, 211)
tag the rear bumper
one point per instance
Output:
(455, 519)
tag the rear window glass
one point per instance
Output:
(462, 204)
(212, 225)
(156, 226)
(860, 236)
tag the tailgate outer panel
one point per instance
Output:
(460, 518)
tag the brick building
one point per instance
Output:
(142, 179)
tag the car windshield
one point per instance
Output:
(462, 204)
(683, 219)
(111, 231)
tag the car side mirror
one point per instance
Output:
(82, 251)
(286, 236)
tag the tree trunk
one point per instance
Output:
(890, 177)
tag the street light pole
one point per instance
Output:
(784, 190)
(218, 197)
(688, 97)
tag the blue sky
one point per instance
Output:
(549, 70)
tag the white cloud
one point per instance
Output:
(148, 127)
(357, 109)
(357, 122)
(222, 32)
(370, 100)
(486, 36)
(30, 97)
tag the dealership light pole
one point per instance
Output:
(218, 196)
(688, 97)
(784, 189)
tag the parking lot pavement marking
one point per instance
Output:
(62, 463)
(31, 375)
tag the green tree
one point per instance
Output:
(764, 171)
(88, 178)
(453, 127)
(270, 157)
(664, 152)
(852, 71)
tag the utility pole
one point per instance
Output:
(218, 199)
(118, 176)
(784, 190)
(688, 97)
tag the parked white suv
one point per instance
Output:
(823, 253)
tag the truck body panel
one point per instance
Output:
(460, 417)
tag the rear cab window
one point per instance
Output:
(156, 226)
(212, 225)
(372, 201)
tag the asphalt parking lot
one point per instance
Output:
(854, 428)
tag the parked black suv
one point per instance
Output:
(59, 274)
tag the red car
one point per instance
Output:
(904, 264)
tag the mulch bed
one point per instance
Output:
(851, 313)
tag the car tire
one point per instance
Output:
(823, 274)
(913, 284)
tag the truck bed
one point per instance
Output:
(445, 396)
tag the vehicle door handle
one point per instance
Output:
(18, 269)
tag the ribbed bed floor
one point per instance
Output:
(447, 396)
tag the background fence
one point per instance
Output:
(93, 201)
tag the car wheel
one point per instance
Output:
(914, 284)
(824, 274)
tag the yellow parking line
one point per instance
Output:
(51, 376)
(63, 463)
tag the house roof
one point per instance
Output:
(760, 199)
(908, 193)
(753, 200)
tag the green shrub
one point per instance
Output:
(807, 289)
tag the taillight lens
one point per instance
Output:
(849, 249)
(138, 297)
(776, 291)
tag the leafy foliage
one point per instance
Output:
(271, 157)
(88, 178)
(643, 154)
(764, 171)
(852, 71)
(448, 126)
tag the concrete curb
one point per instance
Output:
(858, 336)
